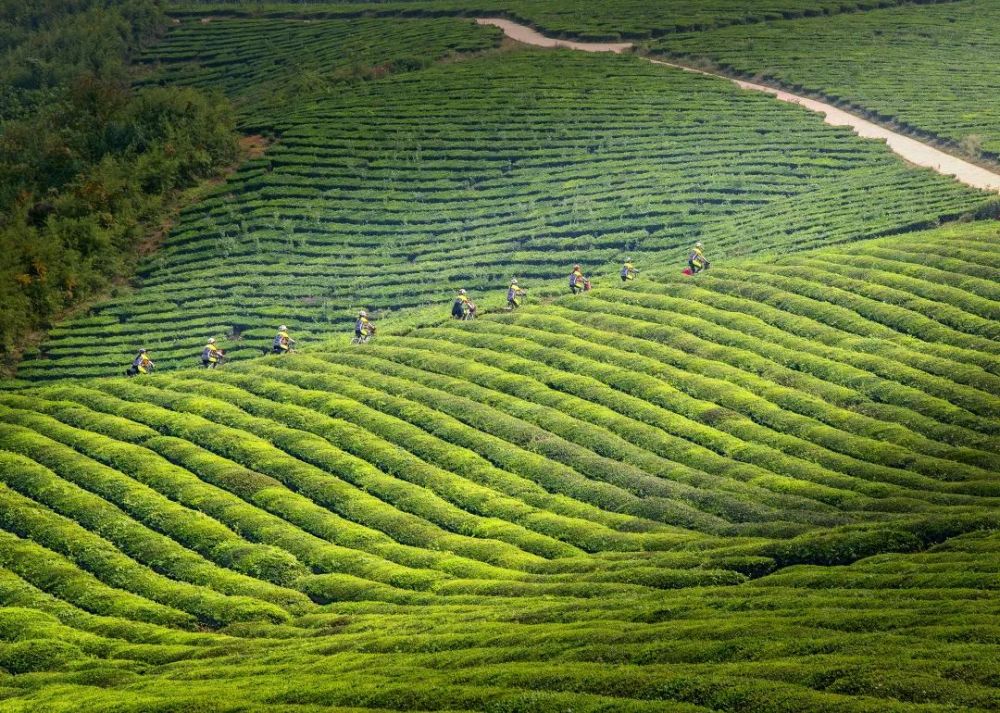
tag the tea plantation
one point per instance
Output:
(264, 64)
(770, 488)
(586, 19)
(929, 68)
(391, 194)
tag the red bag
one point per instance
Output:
(586, 285)
(687, 271)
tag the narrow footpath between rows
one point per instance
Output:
(914, 151)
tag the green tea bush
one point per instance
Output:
(99, 557)
(51, 572)
(30, 655)
(327, 588)
(200, 534)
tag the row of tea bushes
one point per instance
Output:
(367, 203)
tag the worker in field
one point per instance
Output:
(697, 260)
(628, 271)
(142, 364)
(211, 355)
(515, 294)
(577, 282)
(282, 342)
(463, 307)
(364, 329)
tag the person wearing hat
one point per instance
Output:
(211, 355)
(142, 364)
(577, 282)
(282, 342)
(364, 329)
(514, 294)
(697, 260)
(628, 270)
(463, 308)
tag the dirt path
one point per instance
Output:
(916, 152)
(528, 36)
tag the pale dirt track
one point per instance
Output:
(916, 152)
(524, 34)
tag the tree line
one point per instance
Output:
(88, 162)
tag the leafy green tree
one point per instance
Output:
(85, 160)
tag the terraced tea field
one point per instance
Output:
(264, 64)
(928, 68)
(773, 488)
(585, 19)
(393, 193)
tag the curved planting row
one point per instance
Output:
(263, 63)
(583, 19)
(673, 495)
(391, 194)
(686, 650)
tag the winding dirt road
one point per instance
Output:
(525, 34)
(916, 152)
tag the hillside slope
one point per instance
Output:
(394, 193)
(926, 67)
(774, 486)
(597, 19)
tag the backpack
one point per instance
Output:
(457, 310)
(572, 279)
(205, 354)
